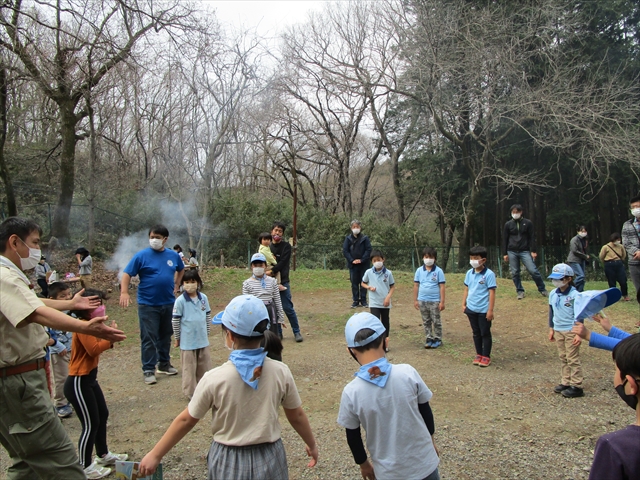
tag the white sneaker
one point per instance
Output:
(111, 458)
(94, 471)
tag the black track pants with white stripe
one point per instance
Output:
(87, 399)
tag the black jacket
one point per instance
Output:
(518, 236)
(357, 248)
(282, 252)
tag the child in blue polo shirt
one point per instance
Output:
(561, 321)
(428, 297)
(191, 323)
(379, 281)
(477, 303)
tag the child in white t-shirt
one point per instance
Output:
(391, 402)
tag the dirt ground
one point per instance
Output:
(499, 422)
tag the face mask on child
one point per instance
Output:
(191, 287)
(558, 283)
(32, 260)
(258, 271)
(475, 263)
(378, 265)
(101, 311)
(428, 261)
(155, 243)
(630, 400)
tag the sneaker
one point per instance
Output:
(477, 360)
(95, 471)
(573, 392)
(167, 369)
(64, 411)
(298, 337)
(520, 295)
(560, 388)
(365, 305)
(354, 305)
(485, 362)
(544, 293)
(149, 378)
(436, 344)
(428, 344)
(111, 459)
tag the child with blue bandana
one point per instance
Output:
(391, 402)
(244, 396)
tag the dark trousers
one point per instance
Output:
(155, 335)
(615, 272)
(87, 399)
(287, 306)
(481, 329)
(383, 315)
(358, 292)
(42, 283)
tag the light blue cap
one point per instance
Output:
(243, 314)
(258, 257)
(560, 271)
(358, 322)
(590, 302)
(217, 320)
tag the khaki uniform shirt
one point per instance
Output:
(18, 343)
(241, 415)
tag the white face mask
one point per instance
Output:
(355, 231)
(516, 216)
(258, 271)
(35, 254)
(225, 342)
(582, 234)
(190, 287)
(475, 263)
(428, 261)
(558, 283)
(635, 212)
(156, 243)
(378, 265)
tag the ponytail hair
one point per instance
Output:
(269, 340)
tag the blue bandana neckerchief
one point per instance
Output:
(376, 372)
(248, 363)
(381, 271)
(263, 283)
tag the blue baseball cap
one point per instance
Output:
(560, 271)
(258, 257)
(217, 320)
(243, 314)
(358, 322)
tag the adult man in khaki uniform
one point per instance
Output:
(30, 430)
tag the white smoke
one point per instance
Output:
(126, 249)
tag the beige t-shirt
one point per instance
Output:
(241, 415)
(17, 302)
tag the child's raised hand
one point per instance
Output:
(603, 321)
(581, 331)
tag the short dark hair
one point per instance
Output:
(362, 335)
(478, 251)
(279, 225)
(90, 292)
(264, 235)
(634, 199)
(193, 253)
(22, 227)
(177, 247)
(56, 288)
(269, 340)
(431, 252)
(579, 228)
(192, 274)
(159, 229)
(376, 253)
(614, 236)
(517, 207)
(626, 354)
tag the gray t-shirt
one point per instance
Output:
(397, 437)
(86, 265)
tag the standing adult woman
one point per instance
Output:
(578, 257)
(613, 255)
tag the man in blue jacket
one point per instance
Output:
(357, 250)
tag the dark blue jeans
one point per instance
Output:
(155, 335)
(615, 272)
(358, 292)
(515, 258)
(579, 280)
(287, 306)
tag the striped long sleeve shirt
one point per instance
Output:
(270, 294)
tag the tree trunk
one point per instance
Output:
(4, 170)
(448, 241)
(61, 217)
(93, 180)
(469, 219)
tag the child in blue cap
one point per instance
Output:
(391, 402)
(561, 321)
(244, 396)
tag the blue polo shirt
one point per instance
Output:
(479, 284)
(382, 280)
(430, 281)
(561, 316)
(156, 271)
(192, 313)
